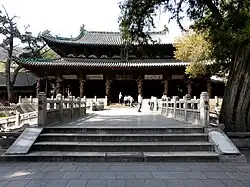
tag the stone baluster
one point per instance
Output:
(186, 99)
(204, 109)
(42, 109)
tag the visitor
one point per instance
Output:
(139, 102)
(120, 98)
(130, 101)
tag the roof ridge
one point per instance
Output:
(104, 32)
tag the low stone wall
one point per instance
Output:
(195, 111)
(58, 109)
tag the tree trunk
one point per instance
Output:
(235, 112)
(8, 81)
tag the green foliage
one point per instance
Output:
(226, 23)
(193, 48)
(48, 54)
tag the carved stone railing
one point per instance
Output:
(189, 110)
(27, 100)
(17, 121)
(53, 110)
(97, 103)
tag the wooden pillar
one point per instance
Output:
(38, 86)
(140, 84)
(189, 87)
(81, 87)
(108, 87)
(166, 87)
(58, 85)
(209, 87)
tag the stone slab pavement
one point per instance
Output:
(74, 174)
(125, 117)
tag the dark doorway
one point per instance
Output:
(71, 86)
(177, 88)
(152, 88)
(94, 88)
(127, 87)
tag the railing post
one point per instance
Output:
(106, 101)
(42, 109)
(91, 105)
(155, 104)
(186, 98)
(95, 99)
(204, 109)
(20, 99)
(60, 105)
(175, 105)
(167, 107)
(18, 119)
(31, 99)
(84, 105)
(79, 105)
(71, 105)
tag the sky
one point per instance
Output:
(64, 17)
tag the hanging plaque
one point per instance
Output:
(123, 77)
(94, 77)
(72, 77)
(153, 77)
(177, 76)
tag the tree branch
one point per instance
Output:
(178, 19)
(14, 76)
(215, 11)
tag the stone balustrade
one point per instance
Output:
(189, 110)
(27, 100)
(53, 110)
(17, 121)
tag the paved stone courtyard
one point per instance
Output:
(124, 174)
(77, 174)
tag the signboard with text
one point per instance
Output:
(177, 76)
(123, 77)
(95, 77)
(153, 77)
(72, 77)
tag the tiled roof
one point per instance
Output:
(94, 38)
(23, 79)
(102, 63)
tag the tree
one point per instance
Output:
(227, 27)
(193, 48)
(11, 33)
(8, 28)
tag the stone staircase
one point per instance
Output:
(121, 143)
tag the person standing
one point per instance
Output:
(139, 102)
(120, 98)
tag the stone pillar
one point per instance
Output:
(81, 87)
(59, 97)
(108, 87)
(166, 87)
(204, 109)
(175, 99)
(42, 109)
(18, 119)
(186, 98)
(209, 87)
(140, 84)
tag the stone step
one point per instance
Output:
(124, 129)
(121, 146)
(56, 156)
(81, 137)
